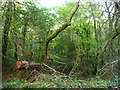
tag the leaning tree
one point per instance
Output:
(60, 29)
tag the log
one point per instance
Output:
(41, 68)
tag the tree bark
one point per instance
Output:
(24, 37)
(16, 50)
(63, 27)
(6, 29)
(96, 38)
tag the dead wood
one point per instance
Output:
(108, 68)
(36, 69)
(98, 56)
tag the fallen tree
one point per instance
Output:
(36, 70)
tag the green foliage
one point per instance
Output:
(61, 83)
(81, 42)
(14, 83)
(31, 24)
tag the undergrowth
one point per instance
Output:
(57, 82)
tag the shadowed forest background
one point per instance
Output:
(87, 47)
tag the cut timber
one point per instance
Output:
(42, 68)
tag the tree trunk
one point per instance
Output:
(24, 37)
(96, 38)
(6, 29)
(63, 27)
(14, 29)
(110, 30)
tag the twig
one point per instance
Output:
(106, 67)
(31, 75)
(8, 57)
(49, 67)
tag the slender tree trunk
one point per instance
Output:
(14, 29)
(88, 45)
(24, 38)
(15, 53)
(6, 29)
(96, 64)
(110, 54)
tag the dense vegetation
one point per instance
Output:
(56, 82)
(88, 48)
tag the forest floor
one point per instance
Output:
(54, 81)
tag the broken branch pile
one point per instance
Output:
(36, 69)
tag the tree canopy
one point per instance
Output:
(74, 38)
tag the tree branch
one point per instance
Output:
(107, 44)
(63, 27)
(98, 56)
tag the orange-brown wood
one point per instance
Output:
(18, 64)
